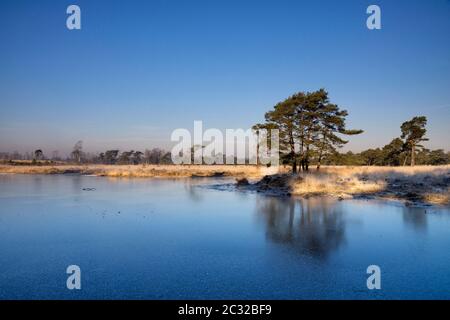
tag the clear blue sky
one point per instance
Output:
(139, 69)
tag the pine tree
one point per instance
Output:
(413, 132)
(283, 118)
(331, 122)
(308, 124)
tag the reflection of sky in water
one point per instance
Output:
(140, 238)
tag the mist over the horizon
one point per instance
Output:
(141, 138)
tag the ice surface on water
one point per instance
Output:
(159, 239)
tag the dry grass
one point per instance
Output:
(429, 184)
(333, 184)
(160, 171)
(438, 198)
(387, 172)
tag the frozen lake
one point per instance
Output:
(177, 239)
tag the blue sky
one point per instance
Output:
(139, 69)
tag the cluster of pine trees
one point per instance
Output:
(311, 131)
(310, 128)
(402, 150)
(391, 154)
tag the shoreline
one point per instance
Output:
(422, 186)
(145, 171)
(412, 186)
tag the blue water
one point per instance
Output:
(177, 239)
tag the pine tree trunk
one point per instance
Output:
(257, 150)
(413, 155)
(306, 168)
(320, 153)
(292, 145)
(319, 161)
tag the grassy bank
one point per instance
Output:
(414, 186)
(421, 184)
(145, 171)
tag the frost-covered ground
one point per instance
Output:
(420, 184)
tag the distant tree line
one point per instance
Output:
(390, 155)
(132, 157)
(152, 156)
(403, 150)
